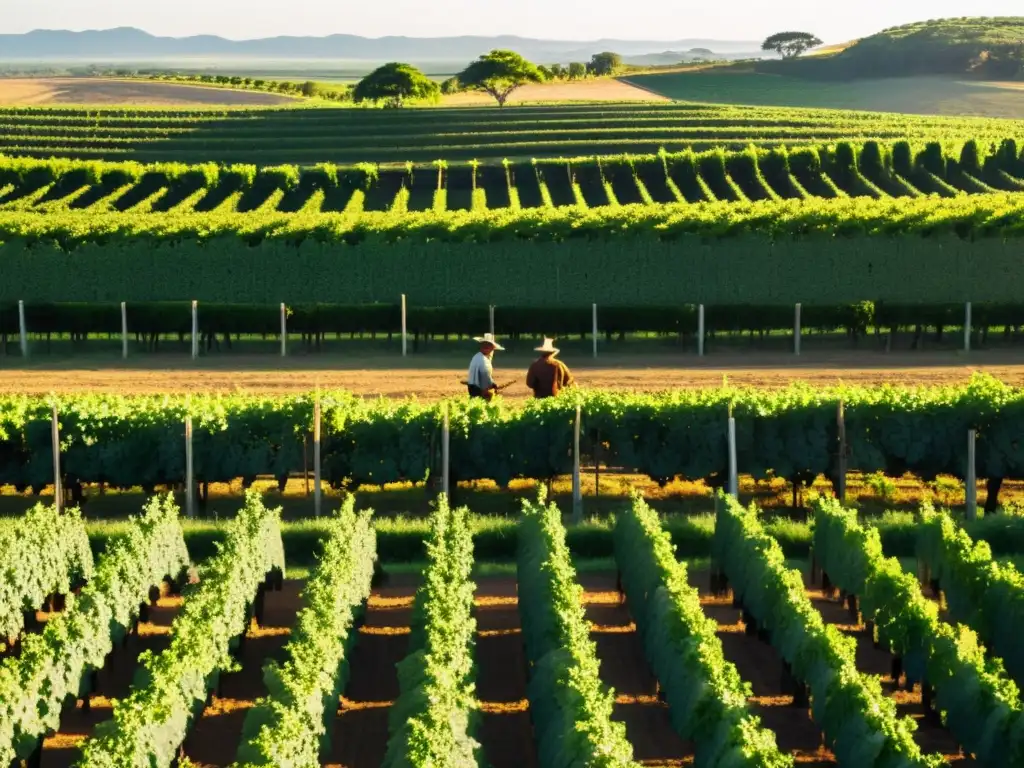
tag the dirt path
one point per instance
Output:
(930, 736)
(624, 668)
(759, 664)
(505, 731)
(113, 682)
(360, 735)
(213, 740)
(434, 378)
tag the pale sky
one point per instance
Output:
(832, 20)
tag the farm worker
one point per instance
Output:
(548, 375)
(481, 369)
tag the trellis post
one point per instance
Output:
(841, 424)
(972, 476)
(284, 330)
(316, 455)
(734, 484)
(405, 336)
(58, 486)
(446, 477)
(195, 329)
(577, 491)
(967, 327)
(700, 331)
(22, 329)
(124, 330)
(796, 330)
(190, 485)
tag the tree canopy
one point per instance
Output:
(606, 63)
(790, 44)
(500, 73)
(395, 82)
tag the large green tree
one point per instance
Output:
(606, 63)
(395, 83)
(790, 44)
(500, 73)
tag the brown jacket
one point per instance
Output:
(548, 376)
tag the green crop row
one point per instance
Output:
(44, 553)
(290, 725)
(571, 709)
(149, 725)
(859, 722)
(980, 704)
(53, 665)
(986, 595)
(707, 699)
(136, 441)
(432, 723)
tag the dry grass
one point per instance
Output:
(87, 91)
(600, 89)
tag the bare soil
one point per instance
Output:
(432, 378)
(506, 732)
(360, 735)
(624, 668)
(214, 738)
(104, 91)
(601, 89)
(114, 681)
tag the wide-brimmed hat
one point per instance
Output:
(548, 346)
(488, 338)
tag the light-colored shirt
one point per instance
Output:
(481, 372)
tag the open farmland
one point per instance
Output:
(308, 136)
(906, 95)
(82, 91)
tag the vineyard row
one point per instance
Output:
(138, 441)
(872, 169)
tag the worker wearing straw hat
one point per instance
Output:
(481, 369)
(548, 375)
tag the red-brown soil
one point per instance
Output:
(624, 668)
(360, 735)
(214, 738)
(506, 733)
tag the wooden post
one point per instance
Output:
(972, 477)
(734, 484)
(284, 330)
(796, 330)
(841, 423)
(491, 308)
(595, 331)
(190, 485)
(446, 477)
(316, 455)
(597, 464)
(405, 341)
(195, 329)
(700, 331)
(967, 327)
(577, 491)
(58, 486)
(124, 331)
(22, 329)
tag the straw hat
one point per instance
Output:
(488, 338)
(548, 346)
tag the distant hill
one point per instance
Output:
(667, 58)
(129, 44)
(991, 48)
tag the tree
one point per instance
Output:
(499, 73)
(790, 44)
(577, 70)
(309, 89)
(394, 83)
(558, 72)
(606, 63)
(451, 85)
